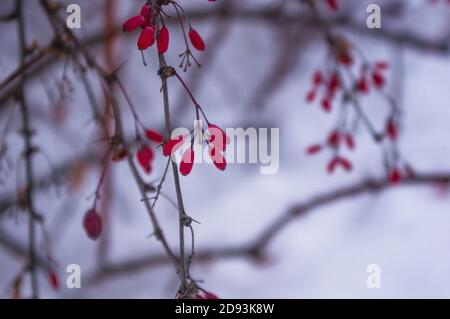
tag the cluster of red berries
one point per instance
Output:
(372, 75)
(334, 142)
(145, 154)
(397, 174)
(398, 169)
(337, 138)
(217, 141)
(328, 85)
(154, 30)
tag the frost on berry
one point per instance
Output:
(92, 224)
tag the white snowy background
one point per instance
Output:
(324, 255)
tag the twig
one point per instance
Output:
(255, 248)
(28, 154)
(181, 211)
(157, 231)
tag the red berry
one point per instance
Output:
(345, 58)
(334, 83)
(148, 169)
(333, 4)
(378, 79)
(53, 280)
(187, 162)
(395, 177)
(146, 39)
(314, 149)
(382, 65)
(92, 223)
(145, 156)
(334, 139)
(196, 40)
(332, 165)
(218, 138)
(311, 96)
(391, 130)
(363, 86)
(218, 159)
(317, 78)
(133, 23)
(326, 105)
(350, 141)
(339, 161)
(345, 164)
(173, 145)
(154, 136)
(163, 40)
(146, 10)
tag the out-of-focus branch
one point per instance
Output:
(28, 153)
(24, 68)
(256, 247)
(109, 79)
(270, 15)
(54, 178)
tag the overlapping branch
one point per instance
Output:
(256, 248)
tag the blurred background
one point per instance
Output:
(256, 72)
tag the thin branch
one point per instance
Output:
(255, 248)
(143, 189)
(28, 154)
(181, 211)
